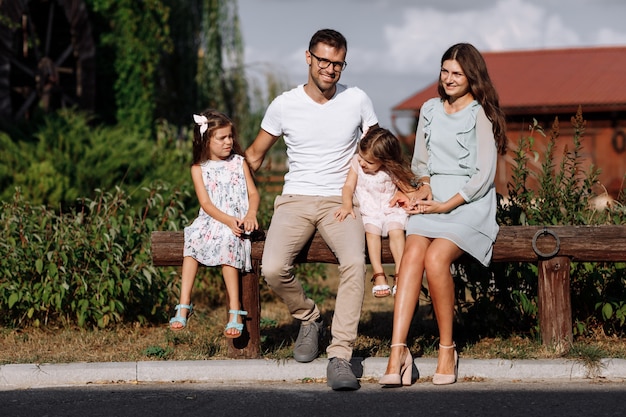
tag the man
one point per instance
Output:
(321, 123)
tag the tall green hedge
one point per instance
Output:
(90, 266)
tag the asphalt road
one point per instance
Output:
(485, 399)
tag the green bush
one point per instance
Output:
(91, 266)
(68, 156)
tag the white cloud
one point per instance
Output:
(557, 34)
(426, 33)
(608, 36)
(511, 24)
(413, 45)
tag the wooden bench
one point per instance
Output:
(553, 248)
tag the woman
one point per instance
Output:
(453, 209)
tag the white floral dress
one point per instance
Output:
(209, 241)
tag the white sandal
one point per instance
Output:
(384, 288)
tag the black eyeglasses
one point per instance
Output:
(324, 63)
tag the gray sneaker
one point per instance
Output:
(307, 345)
(339, 375)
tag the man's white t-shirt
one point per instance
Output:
(321, 139)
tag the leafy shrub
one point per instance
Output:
(91, 266)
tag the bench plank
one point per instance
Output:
(513, 244)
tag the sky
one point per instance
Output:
(395, 46)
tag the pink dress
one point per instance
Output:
(209, 241)
(373, 192)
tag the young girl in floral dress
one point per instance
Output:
(229, 201)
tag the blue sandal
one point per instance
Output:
(234, 325)
(180, 319)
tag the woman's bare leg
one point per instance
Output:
(409, 283)
(438, 260)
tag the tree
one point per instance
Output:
(221, 79)
(139, 31)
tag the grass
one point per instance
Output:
(203, 338)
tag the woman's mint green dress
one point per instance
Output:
(459, 153)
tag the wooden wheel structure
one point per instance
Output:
(47, 57)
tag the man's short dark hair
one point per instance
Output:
(329, 37)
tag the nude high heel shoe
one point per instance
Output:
(446, 379)
(406, 371)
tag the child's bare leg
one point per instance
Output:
(374, 251)
(188, 276)
(396, 245)
(397, 238)
(231, 279)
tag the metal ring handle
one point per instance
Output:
(557, 246)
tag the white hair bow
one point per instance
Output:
(201, 121)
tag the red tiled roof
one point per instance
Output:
(550, 80)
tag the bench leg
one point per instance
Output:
(555, 306)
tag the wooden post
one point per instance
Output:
(555, 309)
(248, 345)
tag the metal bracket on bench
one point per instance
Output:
(557, 245)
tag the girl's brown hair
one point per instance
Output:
(215, 120)
(384, 147)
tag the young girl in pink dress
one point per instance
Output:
(376, 173)
(229, 201)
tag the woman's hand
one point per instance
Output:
(422, 194)
(425, 207)
(431, 206)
